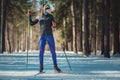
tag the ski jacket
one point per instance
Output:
(45, 23)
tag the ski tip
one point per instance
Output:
(64, 72)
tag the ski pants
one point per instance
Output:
(51, 43)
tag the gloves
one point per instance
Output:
(28, 14)
(53, 24)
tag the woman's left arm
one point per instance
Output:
(53, 22)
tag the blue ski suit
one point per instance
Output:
(46, 35)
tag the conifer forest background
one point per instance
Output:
(82, 25)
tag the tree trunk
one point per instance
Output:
(107, 28)
(1, 26)
(4, 4)
(80, 26)
(74, 27)
(65, 42)
(8, 39)
(115, 26)
(86, 49)
(101, 24)
(93, 25)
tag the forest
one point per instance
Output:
(82, 25)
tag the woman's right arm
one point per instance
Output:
(33, 22)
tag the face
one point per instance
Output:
(48, 10)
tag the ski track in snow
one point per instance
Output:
(13, 67)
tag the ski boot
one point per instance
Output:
(57, 69)
(41, 68)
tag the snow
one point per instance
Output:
(14, 66)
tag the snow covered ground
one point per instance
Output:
(14, 66)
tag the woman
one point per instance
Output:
(46, 21)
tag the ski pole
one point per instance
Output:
(28, 40)
(66, 57)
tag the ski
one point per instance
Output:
(51, 72)
(63, 72)
(39, 73)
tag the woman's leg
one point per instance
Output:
(42, 43)
(51, 43)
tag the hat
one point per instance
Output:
(47, 7)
